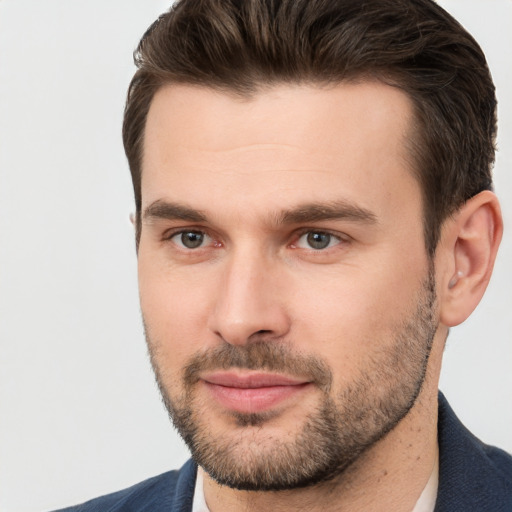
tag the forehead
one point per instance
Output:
(284, 144)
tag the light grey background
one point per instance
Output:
(80, 415)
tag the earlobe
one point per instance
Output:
(470, 241)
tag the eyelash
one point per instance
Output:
(168, 237)
(340, 238)
(337, 236)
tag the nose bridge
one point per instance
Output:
(248, 300)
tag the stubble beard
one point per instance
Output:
(343, 426)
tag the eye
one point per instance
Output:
(317, 240)
(190, 239)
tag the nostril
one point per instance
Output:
(261, 335)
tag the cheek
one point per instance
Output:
(174, 311)
(348, 320)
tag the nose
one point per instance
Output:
(249, 301)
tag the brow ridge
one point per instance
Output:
(161, 209)
(332, 210)
(309, 212)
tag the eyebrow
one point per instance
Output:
(172, 211)
(310, 212)
(332, 210)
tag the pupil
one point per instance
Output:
(191, 239)
(319, 240)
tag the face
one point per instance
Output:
(288, 301)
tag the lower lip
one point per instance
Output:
(254, 400)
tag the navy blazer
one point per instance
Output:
(473, 477)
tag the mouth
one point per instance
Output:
(252, 392)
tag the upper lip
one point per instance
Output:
(248, 380)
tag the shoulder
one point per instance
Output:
(173, 490)
(473, 476)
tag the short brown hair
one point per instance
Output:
(241, 45)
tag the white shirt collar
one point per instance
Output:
(199, 504)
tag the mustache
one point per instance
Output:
(259, 355)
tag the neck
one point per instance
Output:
(390, 476)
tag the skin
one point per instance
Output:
(244, 163)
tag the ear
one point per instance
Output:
(468, 246)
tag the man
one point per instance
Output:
(313, 213)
